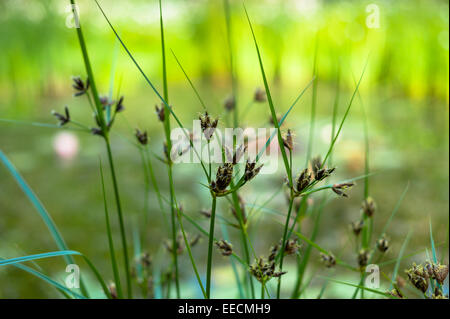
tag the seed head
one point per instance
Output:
(363, 257)
(223, 178)
(382, 244)
(141, 137)
(303, 180)
(63, 119)
(328, 260)
(251, 170)
(146, 260)
(206, 213)
(79, 85)
(418, 277)
(357, 226)
(292, 247)
(194, 241)
(259, 96)
(225, 248)
(160, 112)
(339, 188)
(112, 290)
(287, 141)
(230, 103)
(208, 125)
(368, 207)
(119, 105)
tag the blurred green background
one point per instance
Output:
(404, 92)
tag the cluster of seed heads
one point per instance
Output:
(421, 275)
(264, 270)
(81, 88)
(316, 173)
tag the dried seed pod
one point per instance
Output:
(415, 276)
(223, 178)
(357, 226)
(339, 188)
(440, 273)
(292, 247)
(208, 125)
(395, 293)
(141, 137)
(303, 180)
(259, 96)
(105, 101)
(229, 103)
(273, 253)
(79, 85)
(287, 141)
(363, 257)
(251, 170)
(316, 165)
(97, 131)
(368, 207)
(382, 244)
(63, 119)
(225, 248)
(119, 105)
(328, 260)
(112, 290)
(206, 213)
(160, 112)
(146, 260)
(194, 241)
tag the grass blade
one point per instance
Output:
(399, 259)
(47, 279)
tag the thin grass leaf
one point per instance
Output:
(40, 209)
(269, 99)
(16, 260)
(151, 84)
(433, 248)
(345, 115)
(399, 258)
(385, 294)
(47, 279)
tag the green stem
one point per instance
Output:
(121, 222)
(283, 242)
(210, 246)
(263, 286)
(110, 240)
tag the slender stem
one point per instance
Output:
(283, 242)
(169, 147)
(110, 240)
(263, 286)
(210, 246)
(121, 223)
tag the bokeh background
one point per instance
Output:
(404, 93)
